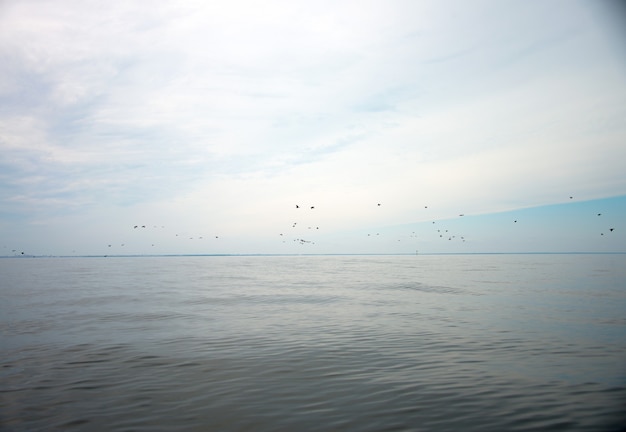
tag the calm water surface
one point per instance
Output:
(318, 343)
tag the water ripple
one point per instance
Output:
(355, 344)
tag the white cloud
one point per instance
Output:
(241, 108)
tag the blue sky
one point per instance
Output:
(204, 119)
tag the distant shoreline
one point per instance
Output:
(308, 254)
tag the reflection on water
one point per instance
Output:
(532, 342)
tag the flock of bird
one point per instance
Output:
(441, 232)
(141, 227)
(444, 233)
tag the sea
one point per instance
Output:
(530, 342)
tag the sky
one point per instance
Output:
(209, 122)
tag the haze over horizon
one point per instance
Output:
(209, 122)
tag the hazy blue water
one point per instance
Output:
(423, 343)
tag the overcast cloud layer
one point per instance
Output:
(219, 117)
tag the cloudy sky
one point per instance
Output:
(208, 122)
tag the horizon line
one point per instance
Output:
(308, 254)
